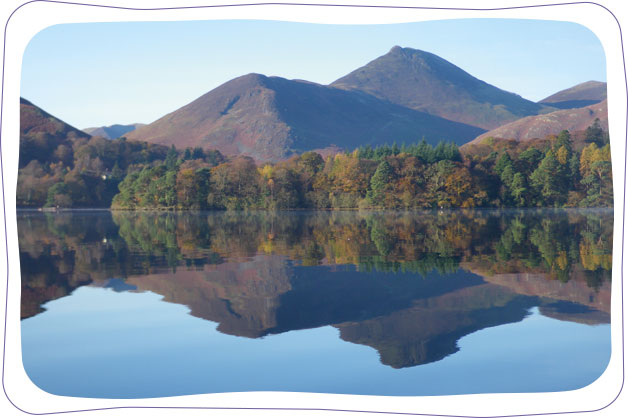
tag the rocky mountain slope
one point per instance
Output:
(272, 118)
(423, 81)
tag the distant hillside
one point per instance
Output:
(425, 82)
(271, 118)
(540, 126)
(581, 95)
(41, 133)
(113, 131)
(35, 122)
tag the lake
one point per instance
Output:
(143, 304)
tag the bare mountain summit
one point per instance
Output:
(425, 82)
(271, 118)
(581, 95)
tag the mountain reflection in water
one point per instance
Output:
(410, 285)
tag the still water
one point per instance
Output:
(133, 305)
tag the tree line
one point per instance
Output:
(133, 175)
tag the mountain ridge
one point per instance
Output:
(112, 131)
(272, 118)
(580, 95)
(403, 96)
(540, 126)
(34, 120)
(426, 82)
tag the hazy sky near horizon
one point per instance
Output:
(98, 74)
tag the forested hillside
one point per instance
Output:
(63, 167)
(86, 172)
(549, 173)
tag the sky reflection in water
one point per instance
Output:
(334, 302)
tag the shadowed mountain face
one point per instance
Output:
(581, 95)
(409, 286)
(34, 122)
(41, 133)
(553, 123)
(423, 81)
(271, 118)
(113, 131)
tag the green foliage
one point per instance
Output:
(596, 134)
(395, 177)
(92, 169)
(422, 150)
(379, 183)
(235, 185)
(171, 159)
(502, 162)
(596, 171)
(406, 176)
(58, 196)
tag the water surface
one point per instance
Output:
(130, 305)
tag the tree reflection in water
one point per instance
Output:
(409, 284)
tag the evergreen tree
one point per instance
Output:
(501, 163)
(596, 134)
(171, 158)
(519, 190)
(379, 182)
(546, 181)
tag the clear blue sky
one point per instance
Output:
(97, 74)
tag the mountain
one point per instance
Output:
(113, 131)
(271, 118)
(35, 122)
(41, 133)
(425, 82)
(540, 126)
(581, 95)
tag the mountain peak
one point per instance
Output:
(411, 55)
(251, 79)
(580, 95)
(272, 118)
(426, 82)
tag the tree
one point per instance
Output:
(171, 158)
(502, 162)
(546, 180)
(596, 134)
(519, 190)
(458, 186)
(379, 183)
(191, 188)
(597, 178)
(234, 185)
(563, 140)
(528, 160)
(311, 162)
(58, 196)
